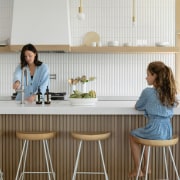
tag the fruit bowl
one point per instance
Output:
(83, 101)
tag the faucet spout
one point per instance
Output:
(23, 73)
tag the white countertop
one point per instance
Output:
(65, 108)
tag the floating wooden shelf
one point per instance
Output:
(123, 49)
(88, 49)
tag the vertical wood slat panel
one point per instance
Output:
(63, 148)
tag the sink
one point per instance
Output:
(6, 98)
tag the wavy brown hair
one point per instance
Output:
(29, 47)
(164, 83)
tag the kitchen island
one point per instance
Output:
(118, 117)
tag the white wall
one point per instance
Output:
(117, 74)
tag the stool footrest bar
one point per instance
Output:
(38, 173)
(90, 172)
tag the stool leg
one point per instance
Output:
(147, 166)
(165, 161)
(48, 153)
(173, 163)
(47, 163)
(140, 162)
(77, 161)
(25, 157)
(24, 150)
(23, 153)
(1, 175)
(102, 158)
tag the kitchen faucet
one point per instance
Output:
(24, 70)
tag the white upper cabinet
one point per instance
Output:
(42, 22)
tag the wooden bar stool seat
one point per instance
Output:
(89, 136)
(157, 143)
(35, 136)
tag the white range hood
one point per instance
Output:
(44, 23)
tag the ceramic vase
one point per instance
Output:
(84, 87)
(73, 88)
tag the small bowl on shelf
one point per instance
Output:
(113, 43)
(128, 44)
(162, 44)
(83, 101)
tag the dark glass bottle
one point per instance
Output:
(47, 96)
(39, 96)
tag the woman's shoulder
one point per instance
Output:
(43, 66)
(18, 67)
(149, 90)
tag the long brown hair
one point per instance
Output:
(164, 83)
(29, 47)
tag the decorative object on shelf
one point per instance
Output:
(91, 37)
(80, 15)
(128, 44)
(113, 43)
(162, 44)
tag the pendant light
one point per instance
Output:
(133, 12)
(80, 15)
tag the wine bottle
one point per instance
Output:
(39, 96)
(47, 96)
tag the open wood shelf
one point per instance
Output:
(123, 49)
(88, 49)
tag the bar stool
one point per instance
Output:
(157, 143)
(35, 136)
(90, 137)
(1, 173)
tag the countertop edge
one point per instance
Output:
(65, 108)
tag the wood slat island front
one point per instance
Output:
(64, 148)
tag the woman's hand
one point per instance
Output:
(16, 85)
(31, 98)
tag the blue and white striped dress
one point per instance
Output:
(159, 116)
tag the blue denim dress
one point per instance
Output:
(159, 116)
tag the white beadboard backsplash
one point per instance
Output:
(116, 75)
(112, 20)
